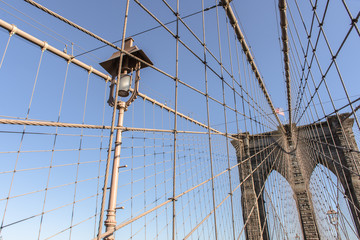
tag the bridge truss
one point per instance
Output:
(205, 151)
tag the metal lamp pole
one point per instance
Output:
(110, 222)
(120, 68)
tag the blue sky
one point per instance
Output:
(105, 19)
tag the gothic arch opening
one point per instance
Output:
(281, 210)
(331, 207)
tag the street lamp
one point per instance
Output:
(121, 82)
(333, 219)
(129, 64)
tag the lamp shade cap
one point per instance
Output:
(112, 64)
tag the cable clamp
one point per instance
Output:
(172, 199)
(13, 30)
(46, 45)
(91, 70)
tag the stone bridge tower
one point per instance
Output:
(330, 143)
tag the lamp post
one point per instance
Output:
(125, 70)
(333, 219)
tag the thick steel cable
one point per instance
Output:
(249, 57)
(253, 120)
(285, 43)
(92, 58)
(70, 58)
(192, 52)
(52, 13)
(153, 28)
(256, 122)
(297, 55)
(224, 109)
(198, 57)
(32, 19)
(305, 52)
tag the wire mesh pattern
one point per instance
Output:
(204, 153)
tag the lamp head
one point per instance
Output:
(128, 65)
(332, 214)
(112, 64)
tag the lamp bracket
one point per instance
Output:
(136, 87)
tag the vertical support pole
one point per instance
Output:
(175, 123)
(113, 123)
(208, 123)
(110, 222)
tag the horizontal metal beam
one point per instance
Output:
(91, 126)
(44, 45)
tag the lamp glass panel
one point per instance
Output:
(124, 86)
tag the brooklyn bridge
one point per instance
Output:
(166, 119)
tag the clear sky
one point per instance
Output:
(82, 101)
